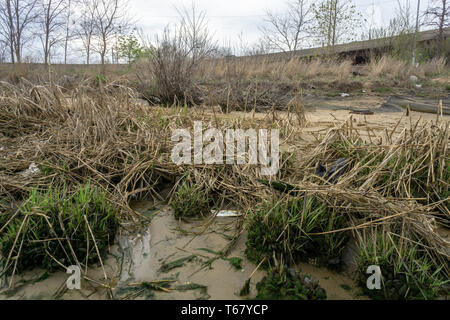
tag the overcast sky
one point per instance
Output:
(228, 18)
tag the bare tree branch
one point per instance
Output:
(287, 32)
(51, 22)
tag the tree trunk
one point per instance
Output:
(88, 51)
(11, 31)
(441, 28)
(66, 42)
(103, 52)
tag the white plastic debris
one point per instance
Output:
(344, 95)
(32, 170)
(418, 86)
(2, 148)
(226, 213)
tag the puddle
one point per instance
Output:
(151, 255)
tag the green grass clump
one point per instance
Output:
(285, 227)
(235, 262)
(447, 87)
(289, 285)
(190, 202)
(52, 223)
(384, 90)
(408, 272)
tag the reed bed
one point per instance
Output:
(55, 139)
(393, 195)
(392, 192)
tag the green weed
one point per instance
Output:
(287, 226)
(190, 202)
(52, 223)
(408, 272)
(280, 284)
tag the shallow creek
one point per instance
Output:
(148, 256)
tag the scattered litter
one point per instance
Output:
(2, 148)
(226, 213)
(344, 95)
(336, 170)
(418, 86)
(31, 171)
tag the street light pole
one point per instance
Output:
(414, 58)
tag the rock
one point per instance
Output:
(413, 79)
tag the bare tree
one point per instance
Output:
(85, 30)
(401, 24)
(52, 24)
(17, 17)
(69, 23)
(438, 16)
(194, 35)
(405, 17)
(251, 49)
(7, 27)
(287, 32)
(3, 49)
(398, 37)
(336, 21)
(109, 19)
(176, 55)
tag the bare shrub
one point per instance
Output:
(390, 67)
(176, 56)
(393, 68)
(433, 67)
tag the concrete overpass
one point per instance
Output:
(359, 51)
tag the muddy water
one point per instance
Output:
(138, 258)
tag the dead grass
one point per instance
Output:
(103, 136)
(282, 69)
(393, 68)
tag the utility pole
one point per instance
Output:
(414, 58)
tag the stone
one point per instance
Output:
(413, 79)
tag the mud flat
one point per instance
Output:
(185, 254)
